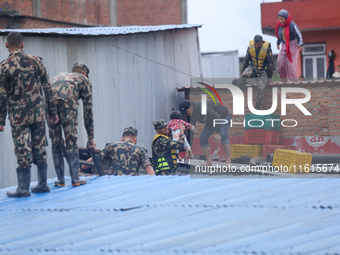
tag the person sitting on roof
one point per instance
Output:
(125, 157)
(336, 75)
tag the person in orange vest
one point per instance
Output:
(164, 155)
(259, 64)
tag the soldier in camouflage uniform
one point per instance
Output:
(67, 89)
(22, 79)
(164, 154)
(126, 157)
(259, 64)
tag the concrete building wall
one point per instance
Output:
(330, 37)
(318, 21)
(134, 79)
(308, 15)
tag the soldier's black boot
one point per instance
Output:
(42, 180)
(258, 105)
(73, 161)
(24, 180)
(58, 161)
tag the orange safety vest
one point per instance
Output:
(258, 60)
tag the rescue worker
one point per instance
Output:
(125, 157)
(68, 88)
(164, 154)
(193, 110)
(23, 77)
(259, 64)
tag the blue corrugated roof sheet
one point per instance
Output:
(94, 31)
(175, 215)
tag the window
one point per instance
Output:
(314, 61)
(312, 49)
(314, 67)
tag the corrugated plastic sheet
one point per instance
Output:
(175, 215)
(93, 31)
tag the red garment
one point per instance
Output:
(286, 25)
(174, 124)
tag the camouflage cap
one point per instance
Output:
(158, 124)
(84, 67)
(130, 129)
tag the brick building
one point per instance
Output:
(27, 14)
(317, 133)
(319, 22)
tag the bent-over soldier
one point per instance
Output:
(68, 88)
(126, 157)
(22, 79)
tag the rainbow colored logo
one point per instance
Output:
(209, 93)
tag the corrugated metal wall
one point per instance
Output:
(220, 65)
(134, 79)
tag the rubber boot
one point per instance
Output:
(42, 180)
(258, 105)
(73, 161)
(58, 161)
(24, 180)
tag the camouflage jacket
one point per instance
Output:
(70, 87)
(125, 158)
(22, 79)
(162, 144)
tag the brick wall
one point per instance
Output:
(324, 106)
(77, 11)
(149, 12)
(24, 7)
(24, 22)
(97, 12)
(30, 23)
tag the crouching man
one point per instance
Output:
(164, 154)
(125, 157)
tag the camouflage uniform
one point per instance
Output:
(249, 71)
(22, 79)
(125, 157)
(164, 151)
(68, 88)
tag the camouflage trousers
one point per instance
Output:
(262, 79)
(68, 121)
(30, 143)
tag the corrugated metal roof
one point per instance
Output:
(94, 31)
(175, 215)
